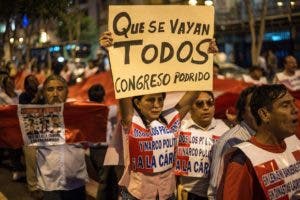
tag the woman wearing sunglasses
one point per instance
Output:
(196, 139)
(149, 140)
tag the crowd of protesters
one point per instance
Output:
(238, 163)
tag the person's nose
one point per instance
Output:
(156, 103)
(55, 92)
(205, 106)
(295, 109)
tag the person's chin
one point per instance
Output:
(154, 117)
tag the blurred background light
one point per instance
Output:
(193, 2)
(208, 2)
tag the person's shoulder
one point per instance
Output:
(24, 98)
(186, 124)
(238, 157)
(221, 124)
(229, 139)
(297, 72)
(279, 76)
(231, 133)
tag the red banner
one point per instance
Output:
(80, 90)
(84, 122)
(20, 78)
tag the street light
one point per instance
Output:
(11, 40)
(193, 2)
(292, 3)
(279, 3)
(43, 37)
(208, 2)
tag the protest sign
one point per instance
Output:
(160, 48)
(42, 124)
(82, 122)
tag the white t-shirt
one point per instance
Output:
(291, 82)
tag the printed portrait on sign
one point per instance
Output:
(31, 127)
(42, 125)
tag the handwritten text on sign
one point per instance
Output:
(160, 48)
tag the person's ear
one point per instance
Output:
(264, 115)
(137, 103)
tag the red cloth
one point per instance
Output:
(223, 102)
(240, 184)
(229, 85)
(229, 90)
(84, 122)
(80, 90)
(20, 78)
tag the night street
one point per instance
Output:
(17, 190)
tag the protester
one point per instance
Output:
(10, 96)
(143, 115)
(61, 169)
(57, 67)
(108, 181)
(290, 76)
(258, 168)
(272, 64)
(11, 69)
(202, 125)
(66, 71)
(216, 71)
(245, 128)
(90, 69)
(31, 95)
(255, 76)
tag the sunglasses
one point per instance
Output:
(201, 103)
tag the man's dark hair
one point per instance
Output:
(29, 85)
(57, 67)
(255, 67)
(96, 93)
(210, 93)
(285, 57)
(265, 96)
(241, 103)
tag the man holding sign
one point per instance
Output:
(140, 58)
(61, 170)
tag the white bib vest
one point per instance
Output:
(194, 149)
(152, 149)
(278, 173)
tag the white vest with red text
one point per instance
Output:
(152, 149)
(278, 173)
(195, 148)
